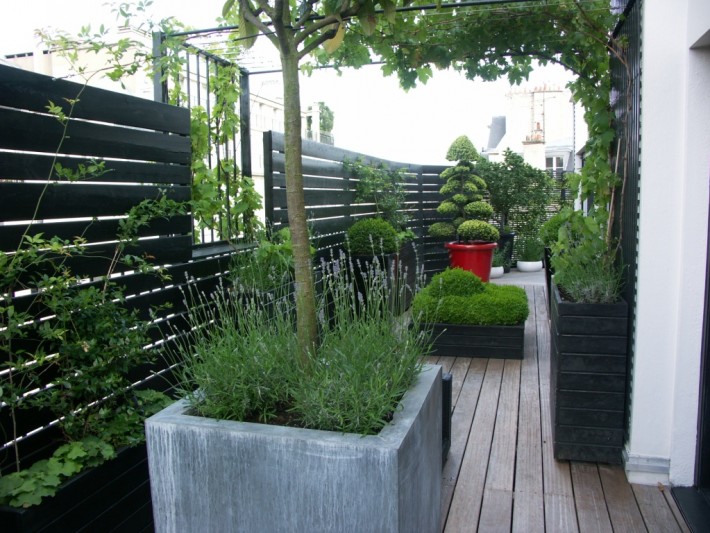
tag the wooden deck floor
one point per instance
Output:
(501, 474)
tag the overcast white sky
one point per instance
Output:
(372, 114)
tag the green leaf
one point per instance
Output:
(331, 45)
(248, 32)
(390, 10)
(226, 8)
(366, 17)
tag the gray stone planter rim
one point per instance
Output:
(390, 435)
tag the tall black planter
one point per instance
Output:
(114, 496)
(588, 379)
(505, 245)
(547, 256)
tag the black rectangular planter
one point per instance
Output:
(588, 379)
(114, 496)
(498, 342)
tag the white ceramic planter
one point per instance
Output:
(215, 475)
(497, 272)
(529, 266)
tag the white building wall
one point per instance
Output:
(675, 163)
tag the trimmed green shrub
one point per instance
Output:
(462, 149)
(442, 229)
(503, 305)
(477, 230)
(455, 282)
(478, 210)
(550, 230)
(372, 236)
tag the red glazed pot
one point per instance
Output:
(476, 258)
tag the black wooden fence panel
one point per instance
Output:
(146, 151)
(330, 196)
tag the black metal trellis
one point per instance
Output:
(200, 67)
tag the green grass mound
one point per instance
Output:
(503, 305)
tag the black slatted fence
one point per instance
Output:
(145, 147)
(330, 193)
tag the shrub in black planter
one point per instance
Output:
(470, 318)
(372, 236)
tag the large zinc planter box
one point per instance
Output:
(212, 475)
(588, 377)
(460, 340)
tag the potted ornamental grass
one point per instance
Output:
(520, 195)
(260, 443)
(468, 213)
(470, 318)
(530, 252)
(497, 264)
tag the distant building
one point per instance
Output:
(543, 125)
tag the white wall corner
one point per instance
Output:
(646, 470)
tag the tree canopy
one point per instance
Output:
(485, 41)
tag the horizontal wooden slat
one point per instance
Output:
(331, 153)
(312, 182)
(92, 231)
(76, 200)
(26, 90)
(20, 166)
(41, 133)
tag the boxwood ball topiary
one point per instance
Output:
(478, 210)
(455, 282)
(442, 229)
(372, 236)
(477, 230)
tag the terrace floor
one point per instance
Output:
(501, 474)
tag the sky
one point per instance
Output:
(373, 115)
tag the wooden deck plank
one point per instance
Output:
(468, 494)
(592, 513)
(501, 465)
(528, 507)
(621, 503)
(528, 512)
(654, 508)
(547, 495)
(497, 506)
(459, 372)
(461, 420)
(496, 511)
(446, 363)
(560, 513)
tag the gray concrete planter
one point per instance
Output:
(215, 475)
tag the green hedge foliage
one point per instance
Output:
(372, 236)
(453, 301)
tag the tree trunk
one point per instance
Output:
(306, 322)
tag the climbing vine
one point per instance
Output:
(224, 200)
(492, 41)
